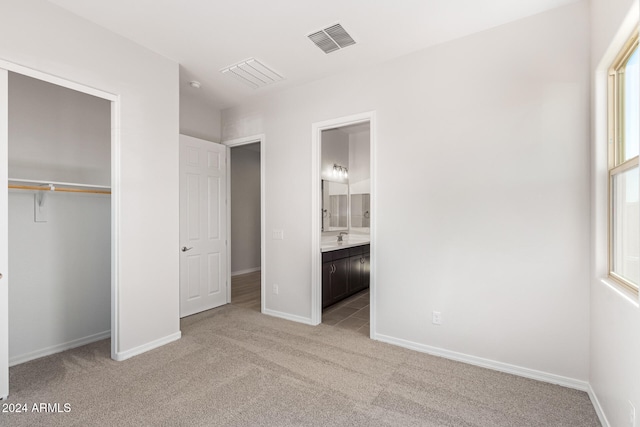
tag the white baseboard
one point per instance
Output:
(596, 405)
(124, 355)
(22, 358)
(287, 316)
(487, 363)
(247, 271)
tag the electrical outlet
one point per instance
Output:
(278, 235)
(632, 415)
(275, 289)
(437, 318)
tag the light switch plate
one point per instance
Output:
(278, 235)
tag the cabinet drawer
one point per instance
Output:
(340, 253)
(357, 250)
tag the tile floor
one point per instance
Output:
(352, 313)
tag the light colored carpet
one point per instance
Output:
(237, 367)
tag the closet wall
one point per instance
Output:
(60, 269)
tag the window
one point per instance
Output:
(624, 178)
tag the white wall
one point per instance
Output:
(58, 134)
(615, 317)
(60, 273)
(197, 118)
(360, 162)
(335, 150)
(245, 208)
(482, 189)
(60, 269)
(36, 34)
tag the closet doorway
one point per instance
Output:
(246, 222)
(56, 143)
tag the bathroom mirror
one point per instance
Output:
(335, 206)
(360, 210)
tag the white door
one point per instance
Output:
(4, 233)
(203, 222)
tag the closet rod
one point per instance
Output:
(66, 184)
(65, 190)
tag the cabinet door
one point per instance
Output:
(366, 263)
(355, 274)
(327, 270)
(340, 279)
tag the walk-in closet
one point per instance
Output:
(59, 206)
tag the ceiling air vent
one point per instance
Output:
(332, 38)
(252, 73)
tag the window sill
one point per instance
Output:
(630, 296)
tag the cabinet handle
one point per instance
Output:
(333, 268)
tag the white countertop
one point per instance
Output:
(348, 241)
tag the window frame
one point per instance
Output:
(616, 148)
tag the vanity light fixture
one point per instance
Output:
(340, 171)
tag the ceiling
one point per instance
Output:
(205, 36)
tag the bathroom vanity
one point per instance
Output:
(345, 271)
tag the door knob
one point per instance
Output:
(185, 249)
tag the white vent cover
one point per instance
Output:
(332, 38)
(252, 73)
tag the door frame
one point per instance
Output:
(114, 99)
(237, 142)
(316, 217)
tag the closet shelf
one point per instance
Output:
(68, 187)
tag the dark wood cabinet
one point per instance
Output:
(344, 273)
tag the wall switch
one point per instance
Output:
(437, 318)
(275, 289)
(632, 415)
(278, 235)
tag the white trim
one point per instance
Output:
(316, 159)
(598, 408)
(58, 348)
(59, 81)
(116, 216)
(147, 347)
(288, 316)
(246, 271)
(487, 363)
(261, 138)
(4, 227)
(69, 184)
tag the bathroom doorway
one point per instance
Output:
(343, 280)
(245, 213)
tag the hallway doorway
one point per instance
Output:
(246, 221)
